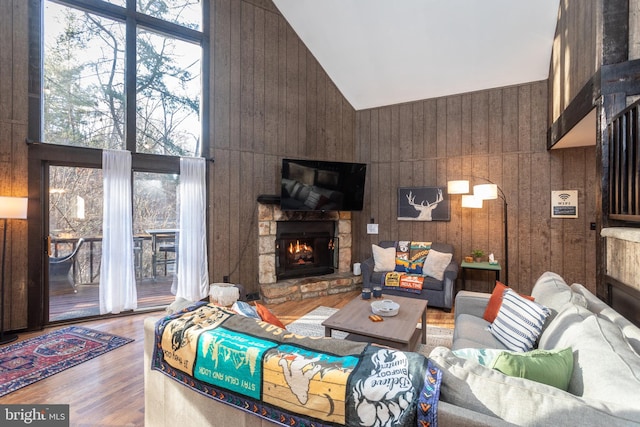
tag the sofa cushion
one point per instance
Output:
(520, 401)
(495, 302)
(384, 258)
(473, 332)
(519, 322)
(552, 367)
(551, 291)
(605, 366)
(436, 263)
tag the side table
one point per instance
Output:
(496, 268)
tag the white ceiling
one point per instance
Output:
(383, 52)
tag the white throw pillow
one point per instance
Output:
(435, 264)
(519, 322)
(384, 258)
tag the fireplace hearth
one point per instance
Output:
(305, 248)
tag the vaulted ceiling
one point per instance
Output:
(384, 52)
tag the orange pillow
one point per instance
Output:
(495, 302)
(268, 316)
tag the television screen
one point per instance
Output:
(313, 185)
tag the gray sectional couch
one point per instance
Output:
(604, 388)
(440, 293)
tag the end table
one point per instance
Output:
(496, 268)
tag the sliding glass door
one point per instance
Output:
(75, 240)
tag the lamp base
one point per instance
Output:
(7, 338)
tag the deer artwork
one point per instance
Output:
(425, 210)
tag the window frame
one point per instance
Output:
(42, 155)
(133, 20)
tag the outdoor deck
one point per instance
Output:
(64, 304)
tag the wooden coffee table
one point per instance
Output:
(398, 331)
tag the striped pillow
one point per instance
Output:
(519, 322)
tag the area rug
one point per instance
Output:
(311, 325)
(34, 359)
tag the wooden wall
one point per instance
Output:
(577, 52)
(270, 99)
(499, 134)
(13, 153)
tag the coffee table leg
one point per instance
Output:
(424, 326)
(327, 332)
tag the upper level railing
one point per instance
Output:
(624, 164)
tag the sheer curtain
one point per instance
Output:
(192, 279)
(117, 274)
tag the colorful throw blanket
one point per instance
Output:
(295, 380)
(403, 282)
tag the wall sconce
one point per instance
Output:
(482, 192)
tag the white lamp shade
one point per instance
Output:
(485, 191)
(469, 201)
(13, 207)
(458, 187)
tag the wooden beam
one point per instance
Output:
(579, 107)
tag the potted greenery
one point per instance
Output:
(477, 254)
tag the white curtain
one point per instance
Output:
(192, 279)
(117, 274)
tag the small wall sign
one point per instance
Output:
(564, 204)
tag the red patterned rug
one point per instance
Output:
(37, 358)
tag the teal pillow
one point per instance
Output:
(551, 367)
(482, 356)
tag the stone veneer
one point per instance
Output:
(296, 289)
(623, 254)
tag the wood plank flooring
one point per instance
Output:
(108, 390)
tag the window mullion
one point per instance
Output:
(130, 79)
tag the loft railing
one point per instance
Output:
(624, 163)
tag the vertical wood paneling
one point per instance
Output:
(500, 135)
(480, 123)
(271, 100)
(6, 62)
(13, 153)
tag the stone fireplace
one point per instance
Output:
(303, 254)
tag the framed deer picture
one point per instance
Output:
(423, 204)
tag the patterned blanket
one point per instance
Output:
(295, 380)
(404, 282)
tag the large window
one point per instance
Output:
(110, 74)
(123, 75)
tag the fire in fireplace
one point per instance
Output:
(305, 248)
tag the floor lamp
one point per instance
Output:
(10, 208)
(482, 192)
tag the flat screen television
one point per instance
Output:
(314, 185)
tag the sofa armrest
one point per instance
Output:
(473, 303)
(367, 269)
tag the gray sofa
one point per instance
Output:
(440, 293)
(604, 387)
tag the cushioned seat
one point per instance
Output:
(440, 293)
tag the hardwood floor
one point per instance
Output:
(108, 390)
